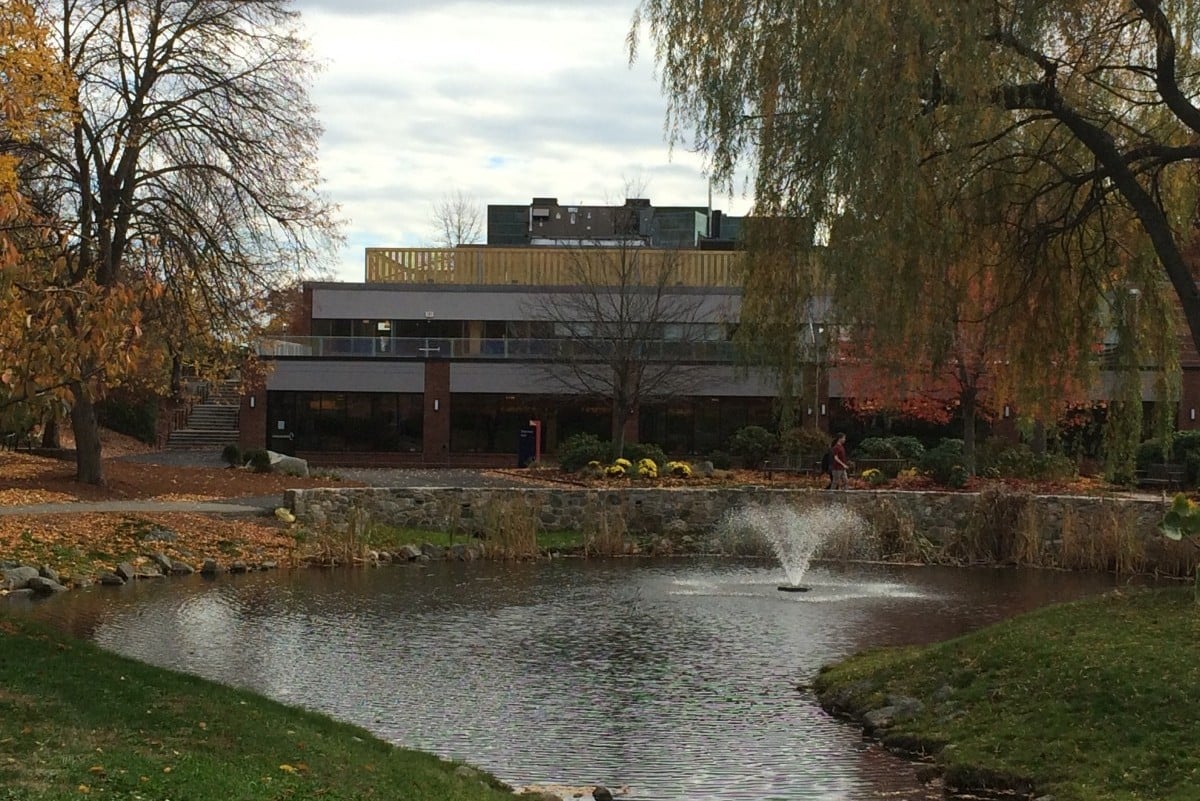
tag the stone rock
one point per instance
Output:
(288, 465)
(676, 527)
(209, 567)
(110, 579)
(148, 572)
(238, 566)
(602, 793)
(408, 553)
(163, 561)
(126, 571)
(462, 553)
(270, 564)
(906, 707)
(47, 572)
(179, 568)
(881, 718)
(17, 578)
(160, 534)
(703, 469)
(44, 586)
(432, 551)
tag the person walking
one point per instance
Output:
(840, 478)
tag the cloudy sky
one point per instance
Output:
(502, 101)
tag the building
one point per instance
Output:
(443, 356)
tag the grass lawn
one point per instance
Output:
(76, 722)
(1097, 700)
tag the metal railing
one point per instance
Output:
(548, 266)
(480, 348)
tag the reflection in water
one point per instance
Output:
(674, 677)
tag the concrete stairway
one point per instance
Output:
(212, 423)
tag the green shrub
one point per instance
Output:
(907, 447)
(938, 463)
(577, 450)
(800, 441)
(876, 448)
(232, 455)
(1019, 461)
(638, 451)
(751, 445)
(258, 459)
(958, 477)
(721, 460)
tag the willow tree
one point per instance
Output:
(185, 181)
(1063, 130)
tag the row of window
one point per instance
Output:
(394, 423)
(509, 329)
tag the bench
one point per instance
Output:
(1166, 476)
(796, 465)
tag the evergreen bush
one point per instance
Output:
(751, 445)
(638, 451)
(939, 463)
(577, 450)
(258, 459)
(231, 454)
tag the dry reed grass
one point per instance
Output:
(510, 528)
(605, 527)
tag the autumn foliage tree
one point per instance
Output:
(181, 186)
(34, 96)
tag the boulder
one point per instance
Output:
(408, 553)
(163, 561)
(209, 567)
(44, 586)
(238, 566)
(602, 793)
(110, 579)
(45, 571)
(432, 551)
(126, 571)
(288, 465)
(17, 578)
(181, 569)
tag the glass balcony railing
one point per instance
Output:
(478, 348)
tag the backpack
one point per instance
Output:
(827, 461)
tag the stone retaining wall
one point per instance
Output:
(938, 516)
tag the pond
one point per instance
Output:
(676, 678)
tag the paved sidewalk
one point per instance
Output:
(232, 507)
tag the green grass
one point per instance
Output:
(78, 722)
(1096, 700)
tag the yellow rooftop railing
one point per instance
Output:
(549, 266)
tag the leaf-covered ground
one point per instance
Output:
(81, 544)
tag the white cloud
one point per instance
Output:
(502, 101)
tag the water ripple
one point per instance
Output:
(674, 678)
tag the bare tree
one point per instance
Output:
(626, 328)
(458, 220)
(186, 176)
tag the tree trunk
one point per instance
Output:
(88, 468)
(50, 437)
(618, 429)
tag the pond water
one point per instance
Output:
(675, 678)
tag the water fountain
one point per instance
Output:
(795, 534)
